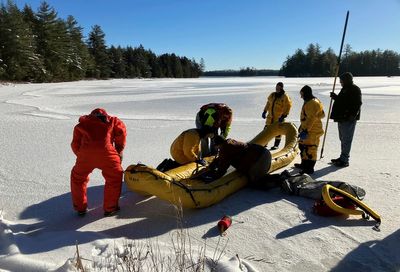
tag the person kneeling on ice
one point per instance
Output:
(186, 147)
(217, 116)
(98, 142)
(310, 130)
(252, 160)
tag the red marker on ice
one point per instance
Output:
(224, 224)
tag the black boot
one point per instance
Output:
(276, 144)
(299, 165)
(308, 167)
(267, 182)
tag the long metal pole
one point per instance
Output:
(334, 83)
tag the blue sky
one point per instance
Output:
(230, 34)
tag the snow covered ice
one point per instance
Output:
(273, 231)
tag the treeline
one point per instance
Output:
(243, 72)
(313, 62)
(40, 47)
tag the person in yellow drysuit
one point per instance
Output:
(278, 107)
(186, 147)
(310, 130)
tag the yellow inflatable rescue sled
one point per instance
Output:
(180, 186)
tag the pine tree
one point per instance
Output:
(155, 67)
(77, 54)
(390, 63)
(18, 58)
(165, 64)
(328, 63)
(202, 65)
(117, 62)
(196, 69)
(98, 50)
(53, 42)
(186, 67)
(129, 62)
(141, 63)
(176, 67)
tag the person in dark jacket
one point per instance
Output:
(252, 160)
(346, 111)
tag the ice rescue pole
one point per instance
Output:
(334, 83)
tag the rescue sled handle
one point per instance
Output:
(366, 211)
(334, 84)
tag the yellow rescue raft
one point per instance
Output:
(180, 186)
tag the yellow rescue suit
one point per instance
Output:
(277, 106)
(186, 147)
(311, 115)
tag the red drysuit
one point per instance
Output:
(98, 142)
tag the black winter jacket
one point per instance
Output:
(347, 104)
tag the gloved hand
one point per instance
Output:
(263, 115)
(333, 95)
(303, 135)
(202, 162)
(282, 118)
(207, 178)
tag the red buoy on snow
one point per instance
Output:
(224, 223)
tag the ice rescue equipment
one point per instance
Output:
(224, 224)
(181, 187)
(365, 211)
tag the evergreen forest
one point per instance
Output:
(41, 47)
(314, 62)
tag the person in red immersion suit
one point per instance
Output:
(98, 142)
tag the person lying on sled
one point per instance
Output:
(252, 160)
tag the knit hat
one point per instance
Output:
(279, 84)
(307, 92)
(347, 78)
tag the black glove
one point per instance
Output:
(202, 162)
(208, 176)
(333, 95)
(263, 114)
(282, 118)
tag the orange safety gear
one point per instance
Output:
(98, 142)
